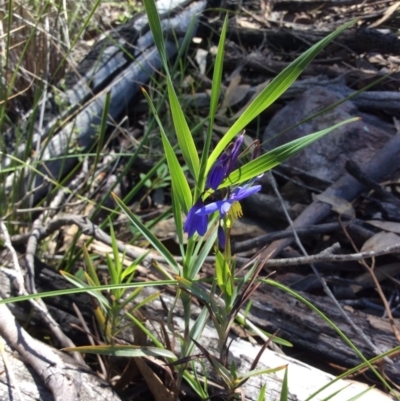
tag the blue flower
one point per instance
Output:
(221, 237)
(218, 172)
(194, 222)
(229, 207)
(235, 154)
(225, 205)
(224, 165)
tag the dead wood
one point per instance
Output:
(275, 309)
(271, 306)
(64, 377)
(128, 56)
(312, 4)
(373, 101)
(357, 40)
(384, 163)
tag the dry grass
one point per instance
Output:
(41, 40)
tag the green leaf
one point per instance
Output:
(149, 333)
(261, 333)
(180, 185)
(194, 289)
(215, 92)
(197, 330)
(130, 351)
(273, 91)
(223, 273)
(285, 388)
(276, 156)
(130, 270)
(81, 284)
(85, 288)
(148, 235)
(177, 211)
(195, 384)
(199, 259)
(259, 372)
(114, 265)
(156, 29)
(185, 137)
(261, 396)
(355, 370)
(335, 393)
(358, 396)
(89, 265)
(178, 180)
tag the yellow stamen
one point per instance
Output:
(235, 212)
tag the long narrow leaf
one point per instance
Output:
(130, 351)
(194, 289)
(77, 290)
(197, 329)
(215, 92)
(259, 372)
(199, 260)
(277, 156)
(285, 388)
(185, 137)
(148, 235)
(180, 185)
(261, 396)
(81, 284)
(273, 91)
(359, 395)
(354, 370)
(156, 29)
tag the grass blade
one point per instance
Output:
(156, 29)
(130, 351)
(79, 290)
(184, 136)
(155, 242)
(180, 186)
(285, 388)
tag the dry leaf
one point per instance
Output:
(339, 205)
(380, 241)
(381, 273)
(390, 226)
(156, 386)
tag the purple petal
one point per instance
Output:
(209, 209)
(202, 225)
(218, 172)
(225, 206)
(243, 192)
(194, 222)
(221, 237)
(235, 153)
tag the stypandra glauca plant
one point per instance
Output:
(207, 224)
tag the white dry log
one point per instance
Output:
(303, 379)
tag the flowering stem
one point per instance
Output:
(188, 255)
(186, 304)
